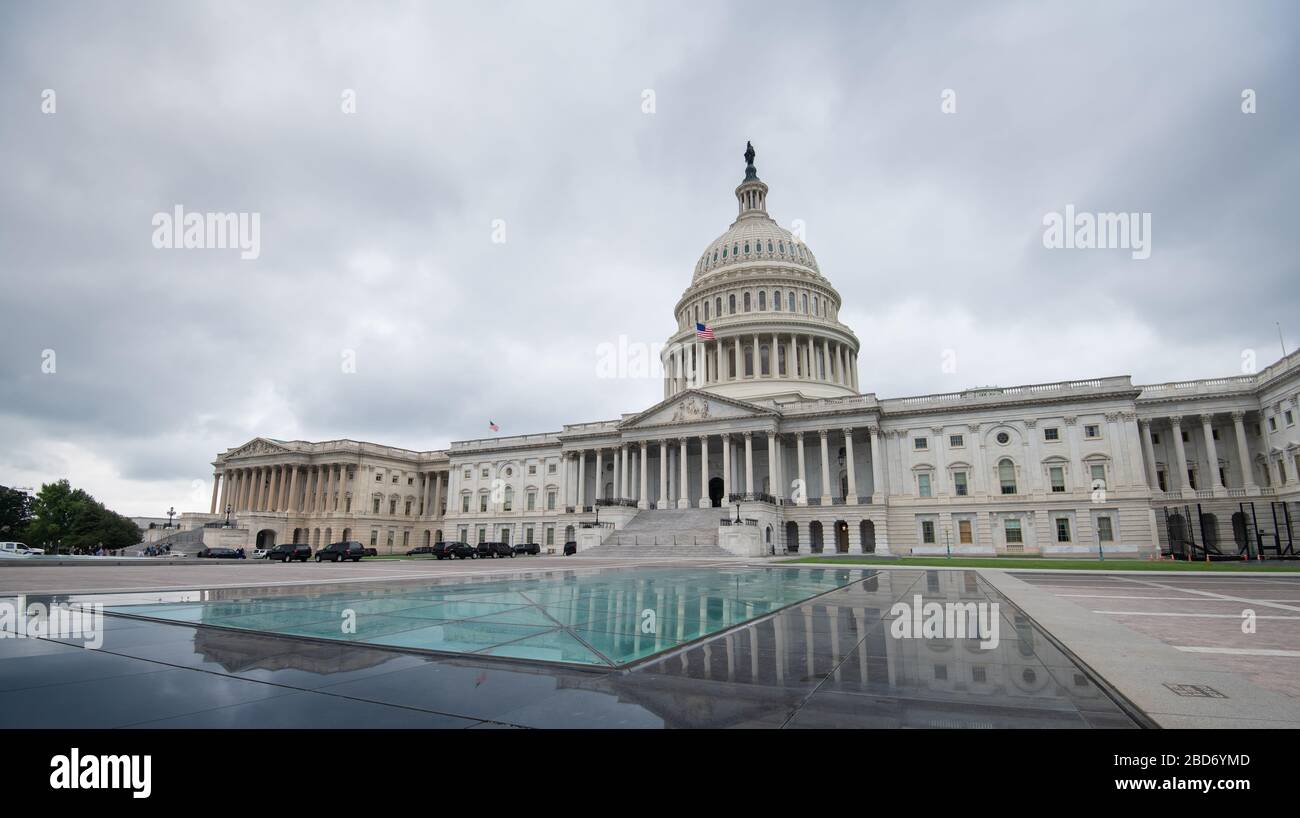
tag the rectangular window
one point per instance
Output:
(1160, 480)
(963, 532)
(1272, 424)
(376, 508)
(482, 535)
(466, 477)
(528, 534)
(464, 503)
(406, 539)
(923, 485)
(1290, 419)
(1104, 531)
(1012, 529)
(532, 501)
(483, 473)
(379, 478)
(392, 506)
(1051, 433)
(390, 539)
(550, 501)
(482, 502)
(1062, 529)
(1091, 430)
(956, 441)
(550, 468)
(920, 443)
(1058, 478)
(464, 534)
(959, 482)
(927, 531)
(550, 536)
(1098, 472)
(374, 537)
(408, 508)
(532, 470)
(1191, 479)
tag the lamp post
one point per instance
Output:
(947, 542)
(737, 512)
(228, 510)
(171, 512)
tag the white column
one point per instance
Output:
(1212, 454)
(643, 497)
(292, 504)
(774, 487)
(663, 475)
(1176, 423)
(683, 480)
(564, 480)
(1243, 453)
(437, 494)
(1148, 454)
(216, 482)
(726, 469)
(877, 488)
(749, 458)
(803, 471)
(826, 469)
(704, 472)
(600, 475)
(852, 497)
(623, 492)
(582, 479)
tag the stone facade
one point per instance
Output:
(762, 407)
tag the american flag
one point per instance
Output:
(704, 331)
(493, 426)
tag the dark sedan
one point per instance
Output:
(221, 553)
(527, 548)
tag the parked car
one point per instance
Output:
(371, 552)
(420, 549)
(290, 551)
(342, 551)
(455, 550)
(492, 550)
(260, 553)
(218, 553)
(19, 549)
(570, 548)
(527, 548)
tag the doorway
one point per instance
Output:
(841, 537)
(715, 492)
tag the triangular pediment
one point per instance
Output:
(258, 446)
(694, 406)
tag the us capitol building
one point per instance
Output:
(765, 442)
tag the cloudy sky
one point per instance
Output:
(377, 226)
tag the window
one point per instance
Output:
(776, 301)
(745, 299)
(1007, 476)
(959, 483)
(1272, 424)
(550, 535)
(532, 469)
(805, 303)
(1091, 430)
(464, 503)
(920, 443)
(762, 300)
(1051, 433)
(789, 300)
(956, 441)
(482, 535)
(406, 539)
(923, 485)
(1290, 419)
(1012, 529)
(1058, 478)
(550, 501)
(927, 531)
(394, 479)
(1098, 472)
(483, 473)
(706, 311)
(464, 534)
(408, 508)
(466, 474)
(1160, 479)
(376, 506)
(550, 468)
(392, 506)
(531, 503)
(482, 503)
(963, 532)
(528, 534)
(1104, 531)
(731, 304)
(1062, 529)
(410, 481)
(1003, 438)
(510, 499)
(379, 478)
(1191, 479)
(374, 537)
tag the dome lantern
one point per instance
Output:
(752, 193)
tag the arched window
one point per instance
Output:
(790, 301)
(1007, 475)
(776, 300)
(780, 245)
(718, 304)
(762, 300)
(510, 499)
(748, 355)
(731, 299)
(746, 297)
(769, 246)
(724, 252)
(706, 311)
(763, 360)
(805, 303)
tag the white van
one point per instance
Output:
(18, 549)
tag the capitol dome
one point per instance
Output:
(759, 320)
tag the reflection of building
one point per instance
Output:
(764, 406)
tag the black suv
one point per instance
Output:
(527, 548)
(457, 550)
(570, 547)
(342, 551)
(220, 554)
(420, 549)
(494, 549)
(289, 551)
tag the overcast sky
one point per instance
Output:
(377, 226)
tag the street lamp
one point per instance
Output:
(737, 512)
(947, 542)
(171, 512)
(228, 510)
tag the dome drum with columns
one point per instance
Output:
(774, 318)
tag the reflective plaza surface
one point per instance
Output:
(725, 647)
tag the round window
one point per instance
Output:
(1003, 438)
(508, 472)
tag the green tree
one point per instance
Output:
(68, 518)
(15, 512)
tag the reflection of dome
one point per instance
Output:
(769, 320)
